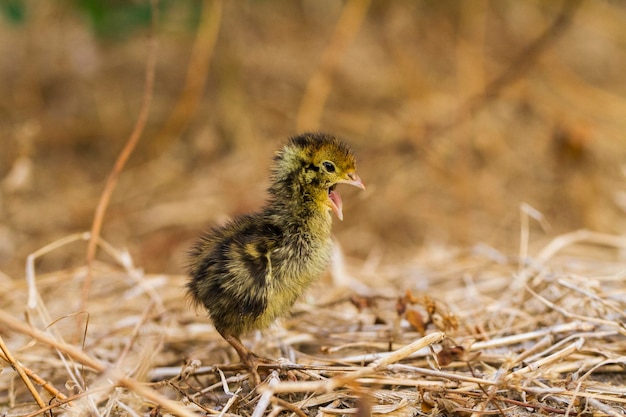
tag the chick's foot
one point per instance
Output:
(248, 358)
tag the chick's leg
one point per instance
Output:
(249, 358)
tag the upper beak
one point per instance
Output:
(354, 180)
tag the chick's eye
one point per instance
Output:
(329, 166)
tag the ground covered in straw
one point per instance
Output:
(459, 332)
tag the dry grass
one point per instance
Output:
(485, 334)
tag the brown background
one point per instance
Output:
(459, 112)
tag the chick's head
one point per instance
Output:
(311, 165)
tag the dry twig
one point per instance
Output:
(123, 156)
(320, 84)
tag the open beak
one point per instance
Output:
(336, 204)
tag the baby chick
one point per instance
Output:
(251, 270)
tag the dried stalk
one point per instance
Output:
(122, 158)
(320, 84)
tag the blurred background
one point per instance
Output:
(459, 113)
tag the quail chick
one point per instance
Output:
(252, 270)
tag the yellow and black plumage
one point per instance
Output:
(251, 270)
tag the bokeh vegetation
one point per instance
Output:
(459, 113)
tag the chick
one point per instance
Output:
(252, 270)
